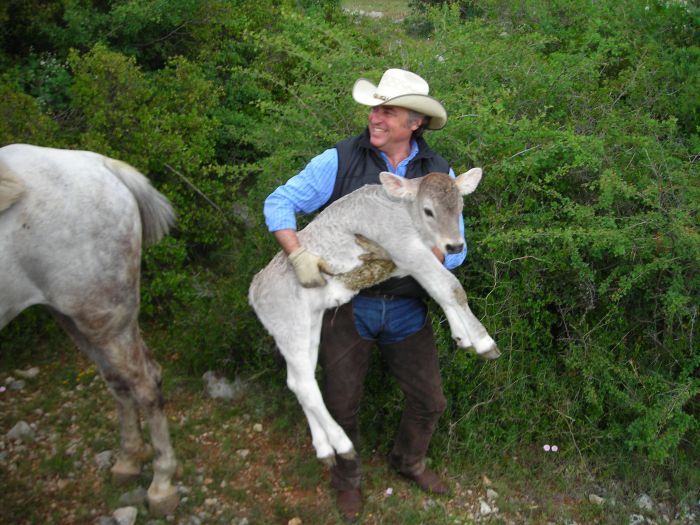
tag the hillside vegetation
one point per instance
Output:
(583, 236)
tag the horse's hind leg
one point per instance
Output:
(133, 378)
(133, 451)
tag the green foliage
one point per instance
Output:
(583, 238)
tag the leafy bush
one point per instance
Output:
(583, 241)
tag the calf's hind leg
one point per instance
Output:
(300, 353)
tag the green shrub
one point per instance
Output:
(583, 240)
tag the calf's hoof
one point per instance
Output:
(492, 354)
(328, 461)
(350, 455)
(163, 503)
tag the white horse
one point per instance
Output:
(71, 230)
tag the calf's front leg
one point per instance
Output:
(446, 290)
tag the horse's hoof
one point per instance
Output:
(123, 473)
(328, 461)
(145, 454)
(163, 504)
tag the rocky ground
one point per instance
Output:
(244, 461)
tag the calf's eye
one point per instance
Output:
(428, 212)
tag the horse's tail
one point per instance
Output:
(157, 214)
(11, 187)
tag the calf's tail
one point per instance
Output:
(157, 214)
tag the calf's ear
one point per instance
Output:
(467, 182)
(399, 187)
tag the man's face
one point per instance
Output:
(389, 127)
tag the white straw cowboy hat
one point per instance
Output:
(404, 89)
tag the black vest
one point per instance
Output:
(360, 163)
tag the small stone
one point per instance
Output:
(210, 502)
(20, 431)
(103, 460)
(595, 499)
(29, 373)
(295, 521)
(485, 509)
(487, 482)
(125, 515)
(258, 427)
(62, 484)
(221, 388)
(134, 497)
(17, 384)
(637, 519)
(243, 453)
(491, 494)
(105, 520)
(644, 502)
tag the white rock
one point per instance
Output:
(594, 498)
(258, 427)
(221, 388)
(134, 497)
(491, 494)
(29, 373)
(644, 502)
(485, 509)
(637, 519)
(103, 460)
(20, 431)
(125, 515)
(17, 384)
(243, 452)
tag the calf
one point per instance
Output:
(368, 236)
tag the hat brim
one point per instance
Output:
(363, 92)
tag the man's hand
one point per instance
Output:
(308, 267)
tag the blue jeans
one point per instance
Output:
(388, 321)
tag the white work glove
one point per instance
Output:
(308, 267)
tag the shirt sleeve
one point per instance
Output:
(306, 192)
(454, 260)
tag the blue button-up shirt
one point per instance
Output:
(311, 188)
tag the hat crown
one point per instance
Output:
(398, 82)
(403, 89)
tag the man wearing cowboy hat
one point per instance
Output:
(392, 314)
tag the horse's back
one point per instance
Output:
(72, 239)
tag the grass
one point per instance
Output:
(279, 479)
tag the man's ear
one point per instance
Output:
(467, 182)
(399, 187)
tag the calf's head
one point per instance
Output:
(435, 204)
